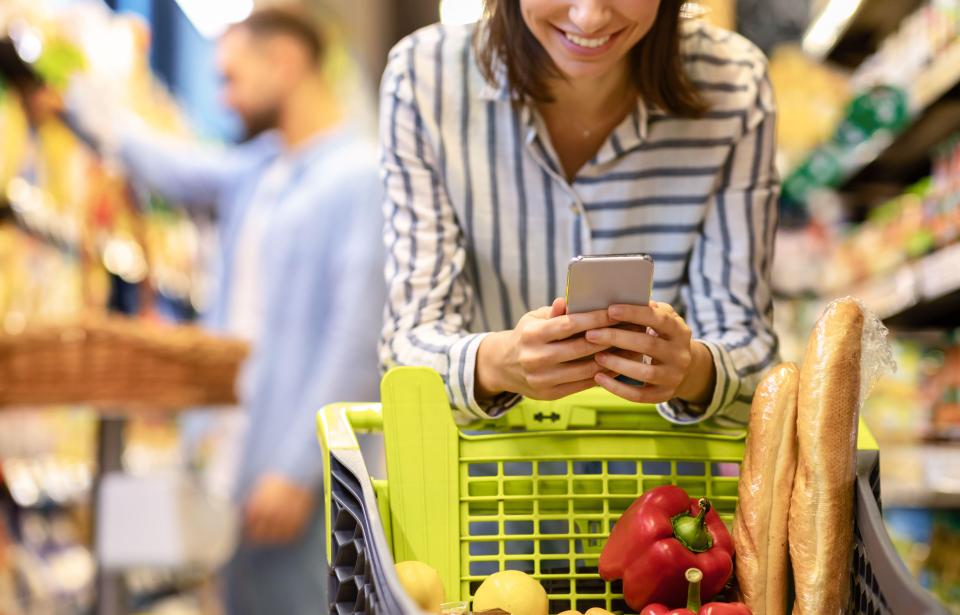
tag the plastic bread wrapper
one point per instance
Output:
(876, 354)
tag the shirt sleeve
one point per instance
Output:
(728, 298)
(429, 300)
(186, 172)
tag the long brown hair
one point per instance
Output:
(656, 64)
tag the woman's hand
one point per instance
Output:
(681, 368)
(543, 357)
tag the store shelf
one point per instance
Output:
(23, 205)
(900, 159)
(847, 31)
(925, 293)
(920, 476)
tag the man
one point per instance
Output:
(300, 277)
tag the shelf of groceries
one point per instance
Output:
(70, 226)
(871, 204)
(59, 194)
(900, 107)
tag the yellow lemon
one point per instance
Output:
(422, 584)
(512, 591)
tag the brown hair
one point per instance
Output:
(656, 64)
(288, 21)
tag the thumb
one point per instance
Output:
(559, 307)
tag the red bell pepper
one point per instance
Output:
(694, 578)
(662, 534)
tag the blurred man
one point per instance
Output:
(298, 209)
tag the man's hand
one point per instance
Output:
(544, 357)
(42, 103)
(277, 511)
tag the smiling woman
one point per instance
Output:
(558, 128)
(538, 40)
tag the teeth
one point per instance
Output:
(589, 43)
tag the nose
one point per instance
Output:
(589, 15)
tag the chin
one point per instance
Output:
(584, 70)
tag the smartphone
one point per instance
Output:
(597, 282)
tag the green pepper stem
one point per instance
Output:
(692, 531)
(704, 505)
(694, 577)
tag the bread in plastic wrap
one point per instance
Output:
(846, 353)
(766, 482)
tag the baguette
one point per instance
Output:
(766, 482)
(821, 507)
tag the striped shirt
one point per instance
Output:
(481, 222)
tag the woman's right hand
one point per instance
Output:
(544, 357)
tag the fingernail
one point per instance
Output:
(600, 357)
(615, 311)
(592, 336)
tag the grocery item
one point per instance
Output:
(766, 482)
(455, 608)
(513, 591)
(845, 353)
(594, 611)
(694, 578)
(662, 534)
(422, 583)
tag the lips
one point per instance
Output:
(586, 45)
(589, 43)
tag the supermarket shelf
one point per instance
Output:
(899, 495)
(8, 215)
(900, 159)
(885, 164)
(847, 31)
(920, 476)
(925, 293)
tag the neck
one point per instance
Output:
(309, 111)
(592, 97)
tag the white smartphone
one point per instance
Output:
(597, 282)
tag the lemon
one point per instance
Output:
(512, 591)
(422, 583)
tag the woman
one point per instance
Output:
(555, 128)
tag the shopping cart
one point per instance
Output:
(538, 490)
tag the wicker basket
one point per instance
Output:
(116, 362)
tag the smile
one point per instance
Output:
(589, 43)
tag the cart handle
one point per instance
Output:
(337, 425)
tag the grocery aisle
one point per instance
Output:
(868, 151)
(869, 158)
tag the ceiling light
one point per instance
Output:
(212, 17)
(829, 26)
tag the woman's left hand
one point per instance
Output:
(682, 368)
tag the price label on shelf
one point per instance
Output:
(939, 273)
(890, 295)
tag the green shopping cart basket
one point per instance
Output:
(538, 490)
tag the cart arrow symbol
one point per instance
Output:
(541, 417)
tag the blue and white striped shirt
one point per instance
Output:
(481, 222)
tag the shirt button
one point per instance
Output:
(574, 209)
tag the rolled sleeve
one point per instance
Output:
(429, 301)
(680, 412)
